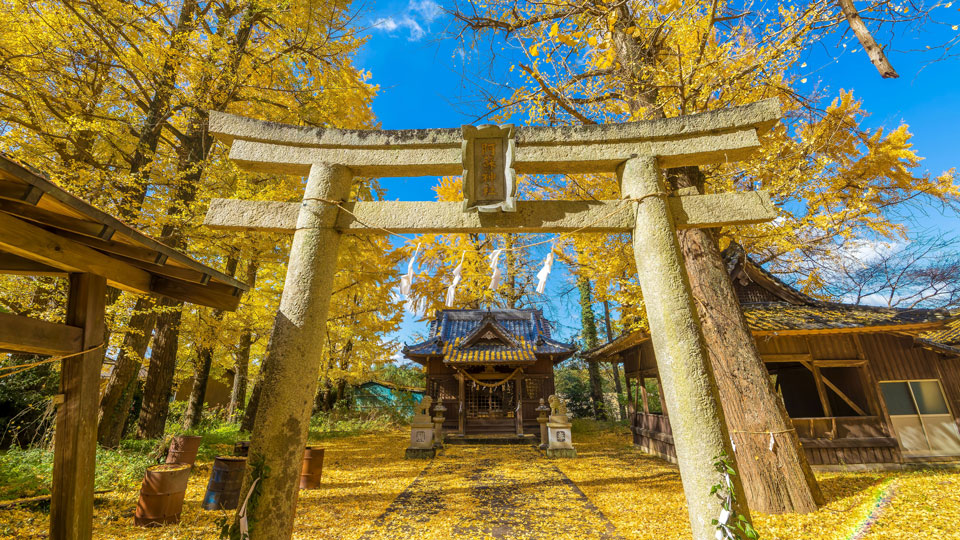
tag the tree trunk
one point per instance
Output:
(250, 414)
(118, 395)
(777, 481)
(163, 365)
(238, 392)
(589, 323)
(616, 365)
(198, 393)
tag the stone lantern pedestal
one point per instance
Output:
(560, 439)
(421, 432)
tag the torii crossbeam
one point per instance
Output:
(637, 152)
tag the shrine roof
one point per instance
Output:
(795, 313)
(508, 336)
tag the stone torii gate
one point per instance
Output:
(488, 156)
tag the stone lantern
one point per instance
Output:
(438, 424)
(543, 409)
(421, 432)
(558, 430)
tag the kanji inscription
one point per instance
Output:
(489, 180)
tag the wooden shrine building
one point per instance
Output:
(46, 231)
(866, 387)
(490, 369)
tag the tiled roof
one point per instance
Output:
(799, 313)
(526, 327)
(948, 335)
(781, 316)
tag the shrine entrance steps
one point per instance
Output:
(491, 438)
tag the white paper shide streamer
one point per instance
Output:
(495, 266)
(773, 442)
(244, 527)
(457, 276)
(544, 273)
(406, 281)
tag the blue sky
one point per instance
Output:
(422, 85)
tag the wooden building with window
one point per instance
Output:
(866, 387)
(489, 368)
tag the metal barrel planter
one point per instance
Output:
(183, 449)
(241, 448)
(223, 489)
(161, 495)
(312, 467)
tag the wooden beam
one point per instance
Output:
(839, 362)
(821, 392)
(24, 334)
(15, 191)
(75, 448)
(215, 295)
(16, 265)
(821, 381)
(419, 217)
(777, 358)
(58, 221)
(112, 247)
(32, 242)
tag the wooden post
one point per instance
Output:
(462, 411)
(643, 393)
(519, 412)
(294, 356)
(699, 429)
(75, 445)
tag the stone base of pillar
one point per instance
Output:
(421, 453)
(561, 452)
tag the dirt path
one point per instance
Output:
(492, 492)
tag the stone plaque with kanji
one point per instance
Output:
(489, 181)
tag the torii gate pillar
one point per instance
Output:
(297, 342)
(700, 432)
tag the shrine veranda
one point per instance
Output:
(489, 157)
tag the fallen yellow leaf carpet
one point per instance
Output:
(610, 491)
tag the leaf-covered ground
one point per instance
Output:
(610, 491)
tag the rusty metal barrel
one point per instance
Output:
(161, 495)
(183, 449)
(223, 489)
(312, 467)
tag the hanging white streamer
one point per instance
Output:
(457, 276)
(244, 533)
(733, 445)
(544, 273)
(495, 266)
(406, 281)
(773, 442)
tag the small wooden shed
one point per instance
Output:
(45, 230)
(865, 387)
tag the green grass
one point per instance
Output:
(27, 472)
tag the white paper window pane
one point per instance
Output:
(897, 397)
(929, 397)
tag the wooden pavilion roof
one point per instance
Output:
(44, 230)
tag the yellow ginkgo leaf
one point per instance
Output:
(534, 49)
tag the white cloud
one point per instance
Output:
(417, 12)
(428, 10)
